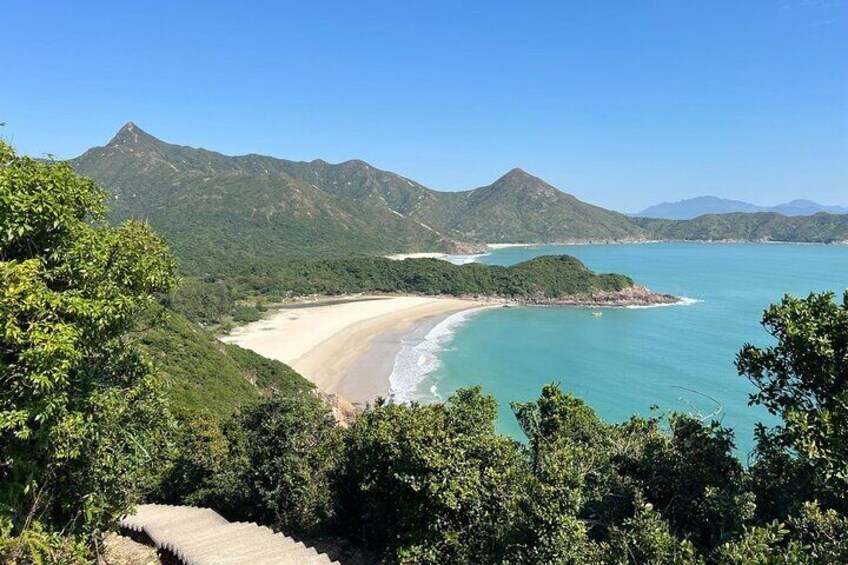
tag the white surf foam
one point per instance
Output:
(418, 359)
(463, 259)
(684, 301)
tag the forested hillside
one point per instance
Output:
(225, 214)
(207, 376)
(548, 279)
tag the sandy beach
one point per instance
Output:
(402, 256)
(346, 346)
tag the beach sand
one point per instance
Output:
(346, 347)
(402, 256)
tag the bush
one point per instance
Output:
(83, 421)
(274, 462)
(433, 484)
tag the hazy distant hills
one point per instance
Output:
(694, 207)
(221, 212)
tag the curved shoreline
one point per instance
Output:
(347, 346)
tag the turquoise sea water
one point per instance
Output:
(677, 357)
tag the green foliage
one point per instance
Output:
(273, 463)
(205, 375)
(434, 484)
(82, 418)
(202, 301)
(37, 546)
(804, 380)
(821, 534)
(812, 537)
(198, 464)
(565, 438)
(291, 447)
(694, 476)
(246, 314)
(543, 277)
(647, 538)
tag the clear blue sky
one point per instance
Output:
(624, 104)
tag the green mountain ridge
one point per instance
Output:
(220, 213)
(225, 215)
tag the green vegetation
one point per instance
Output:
(224, 215)
(205, 375)
(82, 415)
(761, 226)
(229, 216)
(86, 427)
(85, 421)
(436, 483)
(271, 463)
(548, 277)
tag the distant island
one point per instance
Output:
(693, 207)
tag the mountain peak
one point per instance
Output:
(518, 174)
(132, 134)
(518, 180)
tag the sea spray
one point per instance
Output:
(419, 358)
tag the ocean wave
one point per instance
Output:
(684, 301)
(463, 259)
(418, 359)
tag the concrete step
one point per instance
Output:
(200, 536)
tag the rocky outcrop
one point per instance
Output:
(343, 411)
(632, 296)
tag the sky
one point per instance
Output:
(624, 104)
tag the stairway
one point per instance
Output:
(200, 536)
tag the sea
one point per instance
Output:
(628, 360)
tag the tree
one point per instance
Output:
(568, 458)
(284, 452)
(435, 483)
(803, 378)
(82, 417)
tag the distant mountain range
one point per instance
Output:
(228, 214)
(694, 207)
